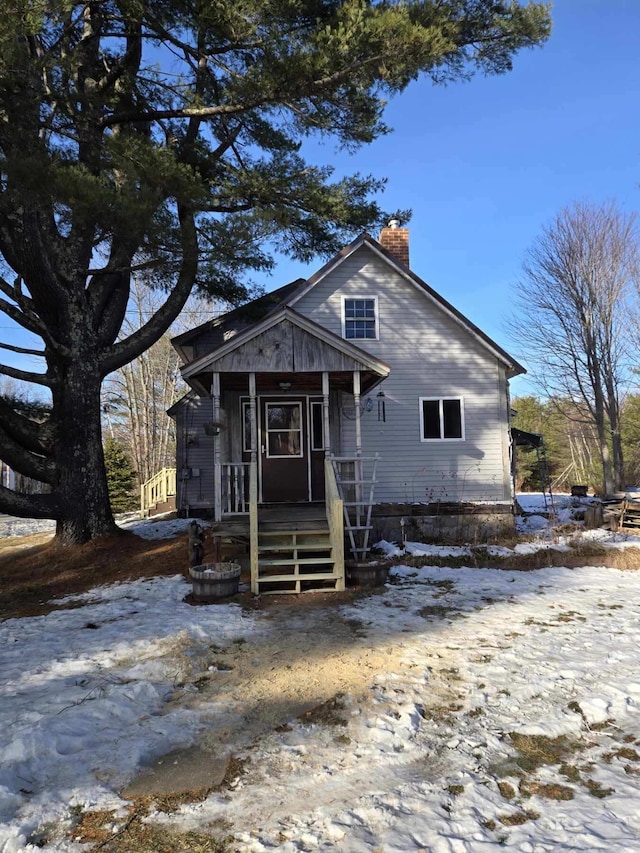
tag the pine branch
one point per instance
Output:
(25, 376)
(29, 506)
(22, 319)
(31, 435)
(131, 347)
(22, 350)
(24, 461)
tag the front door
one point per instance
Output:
(284, 448)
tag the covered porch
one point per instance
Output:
(280, 437)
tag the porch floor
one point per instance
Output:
(294, 516)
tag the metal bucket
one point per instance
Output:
(212, 581)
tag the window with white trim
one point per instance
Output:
(441, 419)
(360, 318)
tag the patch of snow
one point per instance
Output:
(91, 694)
(420, 549)
(12, 526)
(157, 528)
(389, 549)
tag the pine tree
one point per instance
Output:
(168, 138)
(121, 478)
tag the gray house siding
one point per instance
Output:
(431, 355)
(194, 454)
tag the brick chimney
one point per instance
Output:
(395, 240)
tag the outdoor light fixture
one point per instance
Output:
(284, 386)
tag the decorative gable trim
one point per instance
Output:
(273, 333)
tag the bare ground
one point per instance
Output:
(312, 657)
(301, 669)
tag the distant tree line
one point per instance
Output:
(571, 443)
(578, 325)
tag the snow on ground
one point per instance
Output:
(11, 526)
(147, 528)
(428, 758)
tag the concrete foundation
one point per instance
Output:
(443, 522)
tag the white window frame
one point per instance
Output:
(361, 298)
(299, 430)
(441, 400)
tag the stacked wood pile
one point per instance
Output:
(622, 514)
(630, 515)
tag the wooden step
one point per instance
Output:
(293, 561)
(293, 531)
(285, 548)
(316, 576)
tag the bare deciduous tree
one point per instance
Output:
(574, 301)
(136, 397)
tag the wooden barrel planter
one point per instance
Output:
(212, 581)
(367, 574)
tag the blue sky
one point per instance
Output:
(486, 164)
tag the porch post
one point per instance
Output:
(326, 438)
(358, 464)
(253, 487)
(217, 467)
(356, 404)
(252, 417)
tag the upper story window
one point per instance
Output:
(360, 318)
(441, 418)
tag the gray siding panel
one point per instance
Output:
(194, 453)
(430, 355)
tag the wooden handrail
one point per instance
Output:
(335, 519)
(253, 525)
(156, 490)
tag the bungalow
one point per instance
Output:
(360, 394)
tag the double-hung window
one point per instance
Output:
(360, 318)
(441, 418)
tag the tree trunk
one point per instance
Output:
(618, 460)
(82, 484)
(608, 484)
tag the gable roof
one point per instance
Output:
(250, 312)
(345, 354)
(365, 239)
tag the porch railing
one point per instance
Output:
(253, 525)
(355, 477)
(158, 489)
(235, 487)
(335, 519)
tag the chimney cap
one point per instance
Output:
(394, 223)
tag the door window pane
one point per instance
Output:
(284, 429)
